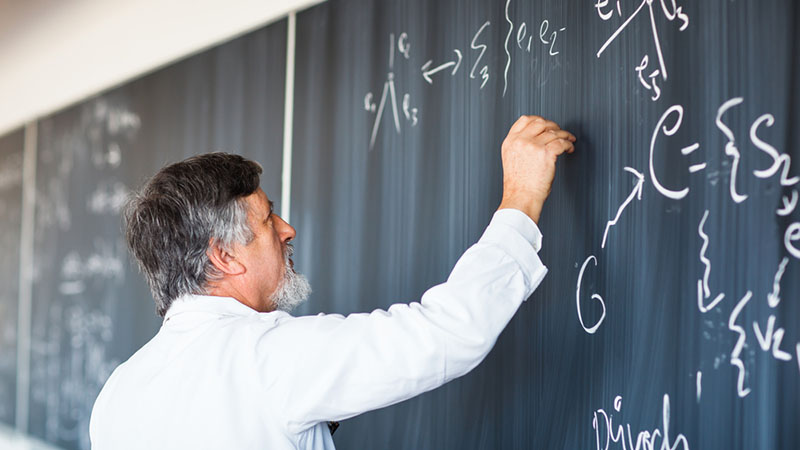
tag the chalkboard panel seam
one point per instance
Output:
(26, 275)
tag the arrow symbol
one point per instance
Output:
(637, 192)
(426, 73)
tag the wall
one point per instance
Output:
(55, 53)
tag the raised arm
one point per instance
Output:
(350, 365)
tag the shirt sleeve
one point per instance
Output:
(331, 367)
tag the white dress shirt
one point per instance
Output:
(219, 375)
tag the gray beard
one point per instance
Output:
(294, 288)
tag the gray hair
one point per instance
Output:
(185, 207)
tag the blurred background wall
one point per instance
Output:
(56, 52)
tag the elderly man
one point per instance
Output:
(231, 369)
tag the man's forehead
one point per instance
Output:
(260, 201)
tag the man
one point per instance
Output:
(231, 369)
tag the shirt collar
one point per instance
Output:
(223, 306)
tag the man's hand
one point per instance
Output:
(529, 163)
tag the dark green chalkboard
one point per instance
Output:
(11, 155)
(91, 307)
(640, 222)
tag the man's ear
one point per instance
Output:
(224, 260)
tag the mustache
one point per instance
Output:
(288, 251)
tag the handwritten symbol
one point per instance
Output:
(791, 235)
(773, 299)
(688, 151)
(637, 192)
(677, 195)
(602, 4)
(699, 383)
(482, 47)
(408, 111)
(543, 32)
(369, 105)
(788, 206)
(597, 297)
(508, 54)
(653, 75)
(703, 292)
(730, 147)
(778, 160)
(737, 349)
(426, 73)
(771, 339)
(403, 46)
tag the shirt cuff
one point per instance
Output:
(522, 223)
(515, 233)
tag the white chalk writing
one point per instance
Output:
(605, 432)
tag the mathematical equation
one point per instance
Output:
(400, 48)
(769, 335)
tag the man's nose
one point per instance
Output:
(285, 231)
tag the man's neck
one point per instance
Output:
(223, 288)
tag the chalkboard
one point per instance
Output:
(11, 154)
(670, 315)
(91, 307)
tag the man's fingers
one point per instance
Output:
(549, 135)
(543, 132)
(532, 125)
(559, 146)
(537, 127)
(521, 123)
